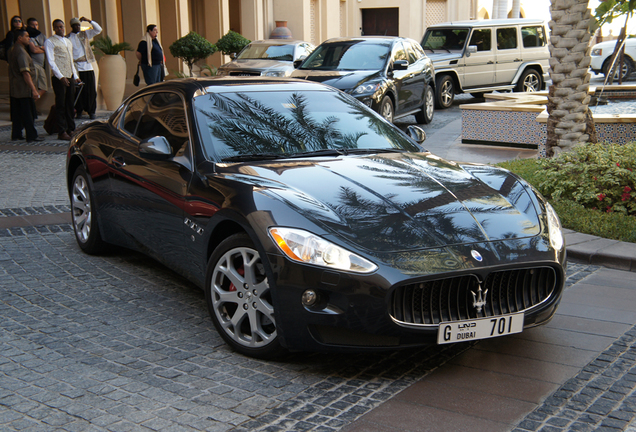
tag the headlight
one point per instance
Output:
(554, 228)
(302, 246)
(597, 52)
(275, 74)
(367, 88)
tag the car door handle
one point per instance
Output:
(518, 60)
(491, 62)
(119, 162)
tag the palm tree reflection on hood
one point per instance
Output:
(248, 126)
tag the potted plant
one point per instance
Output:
(112, 68)
(232, 43)
(191, 48)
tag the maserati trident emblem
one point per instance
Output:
(479, 299)
(476, 255)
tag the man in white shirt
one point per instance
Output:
(59, 55)
(83, 56)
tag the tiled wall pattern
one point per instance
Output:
(617, 133)
(501, 126)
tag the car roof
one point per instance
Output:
(363, 38)
(279, 42)
(489, 23)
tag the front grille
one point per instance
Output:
(245, 74)
(451, 299)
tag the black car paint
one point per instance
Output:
(406, 199)
(406, 87)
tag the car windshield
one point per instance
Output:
(349, 55)
(278, 124)
(450, 39)
(280, 52)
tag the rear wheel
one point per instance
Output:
(386, 109)
(240, 300)
(626, 69)
(84, 215)
(530, 81)
(425, 115)
(445, 92)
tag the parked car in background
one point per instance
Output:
(602, 52)
(481, 56)
(310, 222)
(392, 75)
(272, 57)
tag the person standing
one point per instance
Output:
(59, 55)
(37, 54)
(150, 56)
(83, 56)
(23, 92)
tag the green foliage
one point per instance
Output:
(592, 188)
(192, 48)
(610, 9)
(208, 70)
(105, 45)
(232, 42)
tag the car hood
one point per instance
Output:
(442, 56)
(399, 201)
(342, 80)
(258, 64)
(611, 44)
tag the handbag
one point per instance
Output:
(136, 77)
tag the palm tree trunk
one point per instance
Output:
(569, 63)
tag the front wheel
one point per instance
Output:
(386, 109)
(240, 300)
(626, 69)
(530, 81)
(445, 92)
(84, 216)
(425, 115)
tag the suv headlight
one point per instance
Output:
(597, 52)
(302, 246)
(554, 228)
(275, 74)
(367, 88)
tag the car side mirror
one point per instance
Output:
(472, 49)
(297, 62)
(156, 148)
(417, 134)
(400, 65)
(233, 56)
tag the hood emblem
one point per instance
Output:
(479, 299)
(476, 255)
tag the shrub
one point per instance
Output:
(192, 48)
(106, 46)
(232, 42)
(597, 176)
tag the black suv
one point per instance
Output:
(392, 75)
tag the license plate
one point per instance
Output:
(480, 328)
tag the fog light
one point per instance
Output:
(309, 298)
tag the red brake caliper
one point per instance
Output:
(240, 271)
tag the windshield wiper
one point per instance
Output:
(375, 150)
(253, 157)
(322, 152)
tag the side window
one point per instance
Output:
(506, 38)
(398, 52)
(133, 113)
(166, 117)
(481, 39)
(533, 37)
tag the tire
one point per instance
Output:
(239, 298)
(386, 109)
(445, 94)
(84, 214)
(425, 115)
(530, 81)
(628, 68)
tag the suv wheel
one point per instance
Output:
(530, 81)
(445, 91)
(425, 115)
(386, 109)
(626, 69)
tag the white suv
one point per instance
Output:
(478, 57)
(601, 53)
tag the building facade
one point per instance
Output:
(310, 20)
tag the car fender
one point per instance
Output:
(449, 71)
(530, 65)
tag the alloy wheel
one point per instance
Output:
(81, 205)
(531, 83)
